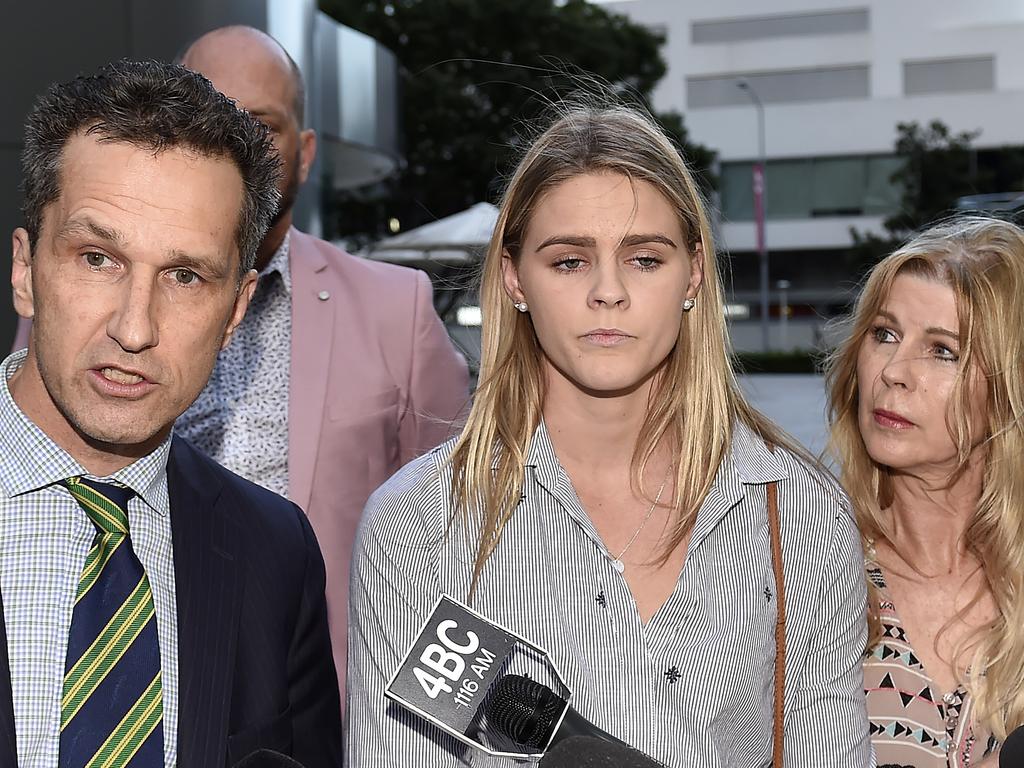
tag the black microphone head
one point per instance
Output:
(588, 752)
(267, 758)
(524, 710)
(1011, 754)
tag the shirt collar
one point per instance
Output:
(755, 463)
(749, 458)
(541, 457)
(35, 461)
(279, 263)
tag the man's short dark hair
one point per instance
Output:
(154, 106)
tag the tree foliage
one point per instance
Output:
(939, 167)
(475, 76)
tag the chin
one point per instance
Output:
(119, 428)
(117, 435)
(891, 456)
(610, 387)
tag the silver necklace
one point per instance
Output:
(617, 563)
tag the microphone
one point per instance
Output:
(267, 758)
(587, 752)
(449, 672)
(1011, 755)
(534, 716)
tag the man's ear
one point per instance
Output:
(21, 274)
(510, 277)
(307, 153)
(246, 288)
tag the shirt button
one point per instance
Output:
(949, 698)
(323, 295)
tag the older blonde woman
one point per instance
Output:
(927, 410)
(608, 498)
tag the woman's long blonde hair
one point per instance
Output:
(696, 397)
(982, 260)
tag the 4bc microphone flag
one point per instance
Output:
(448, 675)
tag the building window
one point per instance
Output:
(813, 187)
(819, 84)
(949, 75)
(789, 25)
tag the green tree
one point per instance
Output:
(475, 75)
(939, 167)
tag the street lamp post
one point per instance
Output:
(760, 205)
(783, 286)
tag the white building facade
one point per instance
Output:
(835, 78)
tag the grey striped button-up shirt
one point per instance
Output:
(692, 687)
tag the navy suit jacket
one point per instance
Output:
(255, 669)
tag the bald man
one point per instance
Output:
(373, 380)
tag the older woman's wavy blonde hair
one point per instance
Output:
(982, 260)
(696, 399)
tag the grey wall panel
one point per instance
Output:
(780, 87)
(10, 217)
(161, 30)
(42, 43)
(949, 75)
(790, 25)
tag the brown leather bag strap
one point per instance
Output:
(780, 626)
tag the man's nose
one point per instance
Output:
(133, 322)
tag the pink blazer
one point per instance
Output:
(374, 383)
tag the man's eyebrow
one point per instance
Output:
(205, 265)
(268, 113)
(86, 226)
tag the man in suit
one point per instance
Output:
(373, 378)
(157, 610)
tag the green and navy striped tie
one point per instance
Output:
(112, 705)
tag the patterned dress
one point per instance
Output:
(911, 724)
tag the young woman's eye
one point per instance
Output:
(568, 264)
(646, 263)
(944, 353)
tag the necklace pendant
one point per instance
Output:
(618, 565)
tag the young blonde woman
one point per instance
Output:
(927, 409)
(608, 496)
